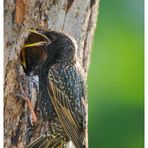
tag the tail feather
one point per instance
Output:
(45, 142)
(38, 142)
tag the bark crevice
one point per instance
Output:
(74, 17)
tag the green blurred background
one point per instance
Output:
(116, 76)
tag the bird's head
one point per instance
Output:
(40, 46)
(62, 46)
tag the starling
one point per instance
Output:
(62, 88)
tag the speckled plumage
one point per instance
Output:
(62, 94)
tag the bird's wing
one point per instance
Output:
(66, 89)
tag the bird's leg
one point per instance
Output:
(27, 99)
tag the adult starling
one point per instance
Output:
(62, 90)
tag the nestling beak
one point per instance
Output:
(46, 40)
(22, 58)
(35, 37)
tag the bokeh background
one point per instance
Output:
(116, 76)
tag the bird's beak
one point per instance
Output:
(46, 40)
(23, 61)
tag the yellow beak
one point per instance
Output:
(35, 44)
(38, 43)
(23, 61)
(47, 41)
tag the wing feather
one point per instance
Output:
(70, 110)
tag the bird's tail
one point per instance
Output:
(45, 142)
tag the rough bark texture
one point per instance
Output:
(75, 17)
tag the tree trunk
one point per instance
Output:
(75, 17)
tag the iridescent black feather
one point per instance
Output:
(62, 96)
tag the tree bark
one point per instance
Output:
(75, 17)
